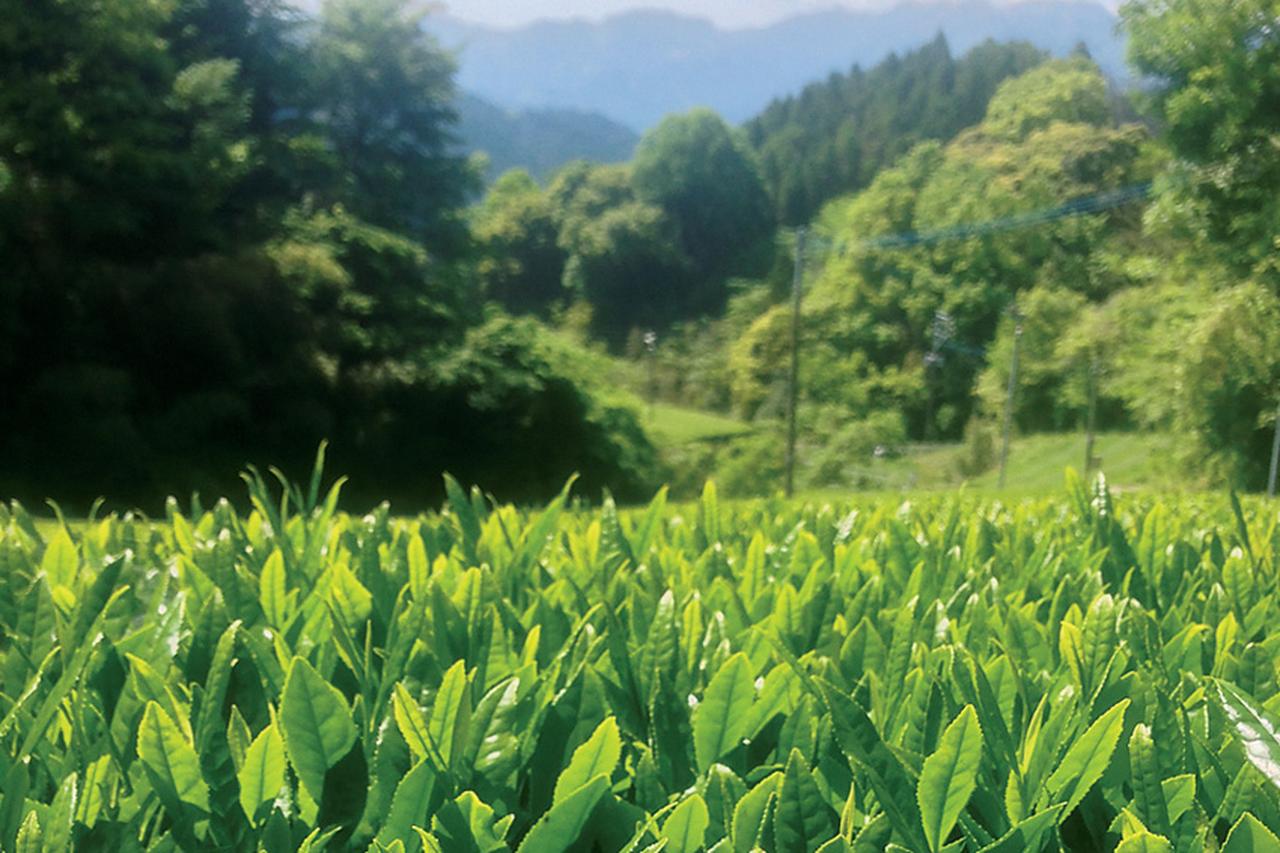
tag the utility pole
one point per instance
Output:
(797, 285)
(941, 331)
(1275, 458)
(651, 351)
(1013, 386)
(1091, 417)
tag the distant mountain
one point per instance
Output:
(637, 67)
(540, 140)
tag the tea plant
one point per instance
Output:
(947, 674)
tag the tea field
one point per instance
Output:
(1077, 672)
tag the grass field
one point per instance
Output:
(1037, 466)
(673, 425)
(1037, 462)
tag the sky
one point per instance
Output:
(726, 13)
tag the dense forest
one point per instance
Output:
(232, 230)
(835, 136)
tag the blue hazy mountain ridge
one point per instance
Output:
(639, 66)
(540, 140)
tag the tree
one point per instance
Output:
(1066, 90)
(384, 94)
(1045, 368)
(228, 236)
(837, 135)
(872, 309)
(626, 265)
(1230, 375)
(695, 168)
(1216, 66)
(521, 264)
(623, 254)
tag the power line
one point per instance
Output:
(797, 289)
(1083, 206)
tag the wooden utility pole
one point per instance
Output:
(651, 353)
(1091, 416)
(797, 286)
(1013, 387)
(1275, 458)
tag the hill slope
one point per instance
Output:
(539, 140)
(835, 135)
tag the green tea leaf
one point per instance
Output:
(1087, 759)
(596, 757)
(556, 830)
(1145, 842)
(317, 725)
(468, 825)
(1148, 794)
(60, 563)
(417, 797)
(860, 739)
(262, 775)
(1254, 727)
(685, 828)
(1250, 836)
(451, 713)
(272, 590)
(412, 724)
(949, 776)
(752, 811)
(30, 838)
(1179, 795)
(1025, 835)
(170, 759)
(419, 568)
(239, 737)
(802, 820)
(721, 718)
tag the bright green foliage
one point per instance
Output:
(870, 317)
(697, 169)
(1215, 66)
(170, 759)
(949, 776)
(562, 825)
(802, 821)
(262, 775)
(836, 134)
(1087, 759)
(1258, 731)
(685, 828)
(1074, 673)
(597, 757)
(720, 720)
(1250, 835)
(317, 725)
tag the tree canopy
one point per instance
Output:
(231, 232)
(872, 311)
(835, 136)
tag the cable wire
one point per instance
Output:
(1083, 206)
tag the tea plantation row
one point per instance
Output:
(1074, 673)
